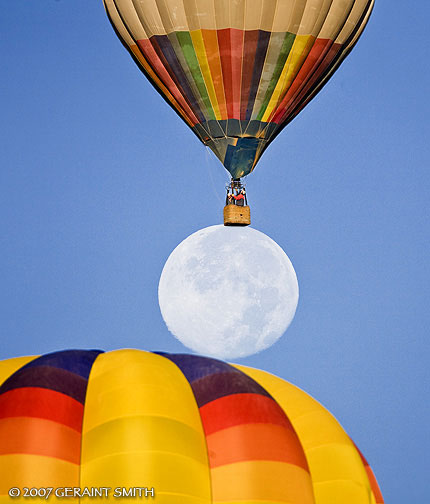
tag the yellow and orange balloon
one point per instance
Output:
(196, 430)
(238, 71)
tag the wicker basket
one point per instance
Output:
(235, 215)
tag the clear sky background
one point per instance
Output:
(100, 181)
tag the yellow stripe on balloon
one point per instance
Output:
(339, 478)
(341, 492)
(301, 47)
(200, 50)
(142, 427)
(164, 437)
(123, 378)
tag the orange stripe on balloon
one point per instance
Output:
(38, 436)
(210, 40)
(255, 442)
(237, 409)
(42, 403)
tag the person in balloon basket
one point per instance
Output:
(240, 198)
(230, 199)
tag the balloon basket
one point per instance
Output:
(235, 215)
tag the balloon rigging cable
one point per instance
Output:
(208, 158)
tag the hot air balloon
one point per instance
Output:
(187, 429)
(238, 72)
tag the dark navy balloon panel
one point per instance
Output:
(66, 372)
(211, 379)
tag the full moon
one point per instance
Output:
(228, 292)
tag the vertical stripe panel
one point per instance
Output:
(142, 428)
(250, 44)
(231, 47)
(131, 43)
(165, 52)
(41, 412)
(279, 49)
(187, 114)
(284, 109)
(178, 48)
(251, 443)
(210, 39)
(260, 56)
(224, 44)
(196, 76)
(199, 47)
(301, 47)
(372, 480)
(338, 473)
(156, 63)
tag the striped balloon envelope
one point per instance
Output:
(238, 71)
(187, 429)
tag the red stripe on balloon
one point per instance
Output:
(288, 110)
(230, 43)
(237, 39)
(42, 403)
(313, 60)
(239, 409)
(249, 56)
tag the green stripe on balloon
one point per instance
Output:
(184, 64)
(282, 58)
(186, 43)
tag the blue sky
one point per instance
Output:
(100, 180)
